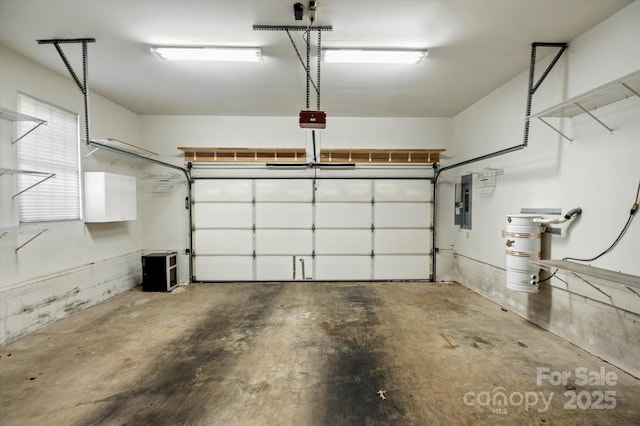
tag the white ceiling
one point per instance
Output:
(475, 46)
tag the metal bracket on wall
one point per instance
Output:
(84, 85)
(43, 175)
(534, 87)
(623, 88)
(20, 230)
(13, 116)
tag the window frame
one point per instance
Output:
(38, 151)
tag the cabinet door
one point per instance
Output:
(95, 208)
(113, 197)
(109, 197)
(128, 206)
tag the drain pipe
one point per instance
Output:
(556, 220)
(304, 276)
(533, 87)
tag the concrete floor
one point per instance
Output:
(306, 354)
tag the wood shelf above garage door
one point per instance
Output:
(337, 155)
(241, 155)
(373, 155)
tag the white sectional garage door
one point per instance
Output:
(314, 229)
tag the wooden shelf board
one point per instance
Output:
(242, 154)
(381, 155)
(329, 155)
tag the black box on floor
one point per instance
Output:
(160, 271)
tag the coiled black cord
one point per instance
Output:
(634, 209)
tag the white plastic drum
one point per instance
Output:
(523, 239)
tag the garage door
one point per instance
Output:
(311, 229)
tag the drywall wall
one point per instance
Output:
(163, 134)
(598, 171)
(70, 248)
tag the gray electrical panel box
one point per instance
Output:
(462, 204)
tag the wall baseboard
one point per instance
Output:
(31, 305)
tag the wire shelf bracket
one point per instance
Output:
(12, 116)
(44, 175)
(19, 230)
(615, 91)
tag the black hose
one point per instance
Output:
(573, 212)
(634, 209)
(624, 229)
(549, 277)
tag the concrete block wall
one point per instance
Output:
(25, 307)
(568, 308)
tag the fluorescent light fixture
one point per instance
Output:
(203, 53)
(374, 56)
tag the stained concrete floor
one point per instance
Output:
(306, 354)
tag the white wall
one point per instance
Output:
(69, 248)
(598, 171)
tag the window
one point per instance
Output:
(52, 148)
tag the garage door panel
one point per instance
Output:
(404, 215)
(284, 190)
(343, 215)
(223, 215)
(405, 241)
(402, 190)
(229, 225)
(343, 241)
(283, 215)
(224, 268)
(343, 190)
(401, 267)
(343, 267)
(223, 190)
(286, 241)
(223, 241)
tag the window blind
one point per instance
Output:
(53, 148)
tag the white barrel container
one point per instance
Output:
(524, 242)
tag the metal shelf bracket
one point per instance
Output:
(38, 232)
(45, 176)
(12, 116)
(618, 90)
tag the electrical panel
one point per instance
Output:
(462, 202)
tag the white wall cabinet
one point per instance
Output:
(109, 197)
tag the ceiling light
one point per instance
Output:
(201, 53)
(371, 56)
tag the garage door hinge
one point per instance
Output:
(313, 227)
(373, 227)
(373, 201)
(372, 254)
(254, 254)
(313, 254)
(253, 228)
